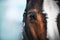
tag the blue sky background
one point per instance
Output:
(11, 16)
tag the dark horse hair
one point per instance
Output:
(35, 29)
(58, 17)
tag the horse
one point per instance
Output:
(35, 21)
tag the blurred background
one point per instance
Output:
(11, 16)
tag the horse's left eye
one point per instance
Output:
(32, 16)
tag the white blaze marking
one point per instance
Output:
(51, 9)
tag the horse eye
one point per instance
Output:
(32, 16)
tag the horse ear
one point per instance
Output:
(24, 16)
